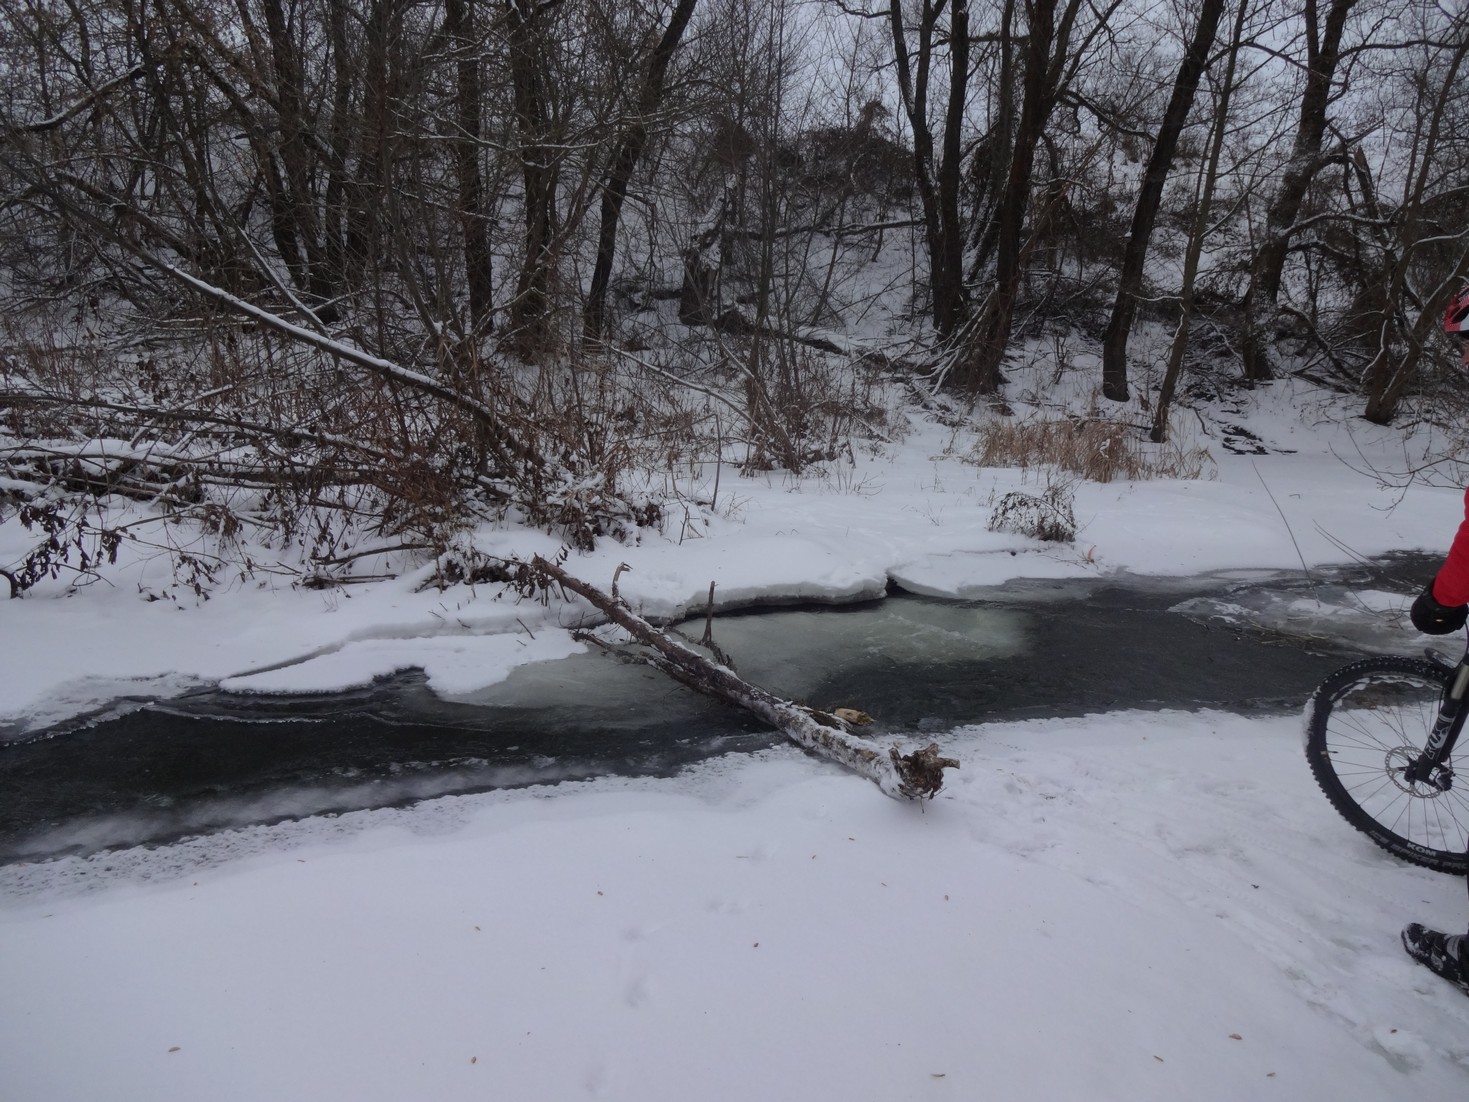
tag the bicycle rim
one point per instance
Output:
(1364, 725)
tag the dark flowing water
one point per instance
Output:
(211, 760)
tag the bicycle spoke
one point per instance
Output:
(1370, 738)
(1456, 807)
(1367, 726)
(1363, 799)
(1441, 812)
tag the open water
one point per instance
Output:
(210, 761)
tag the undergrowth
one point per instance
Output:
(246, 441)
(1090, 446)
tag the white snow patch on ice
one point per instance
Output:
(454, 664)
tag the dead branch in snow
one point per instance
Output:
(909, 776)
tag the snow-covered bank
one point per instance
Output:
(1142, 906)
(916, 513)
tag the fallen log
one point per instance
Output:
(910, 776)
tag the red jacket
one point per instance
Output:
(1456, 319)
(1451, 586)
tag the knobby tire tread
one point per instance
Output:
(1323, 702)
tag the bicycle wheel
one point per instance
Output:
(1364, 725)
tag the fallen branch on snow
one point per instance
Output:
(909, 776)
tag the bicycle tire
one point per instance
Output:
(1363, 725)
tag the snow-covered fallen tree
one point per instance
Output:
(912, 776)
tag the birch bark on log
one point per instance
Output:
(910, 776)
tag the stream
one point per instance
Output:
(210, 761)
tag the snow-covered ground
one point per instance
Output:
(1138, 906)
(1130, 905)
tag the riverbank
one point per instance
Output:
(914, 514)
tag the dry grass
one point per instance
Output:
(1092, 447)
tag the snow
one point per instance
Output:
(454, 664)
(1136, 905)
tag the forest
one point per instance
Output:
(356, 276)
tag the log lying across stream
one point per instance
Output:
(910, 776)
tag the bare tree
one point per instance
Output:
(541, 140)
(624, 157)
(1323, 54)
(1150, 197)
(1421, 246)
(1198, 231)
(937, 171)
(462, 31)
(1054, 46)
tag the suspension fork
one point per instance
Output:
(1446, 728)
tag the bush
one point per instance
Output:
(1048, 517)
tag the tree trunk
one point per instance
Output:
(473, 217)
(343, 130)
(367, 189)
(1200, 226)
(698, 300)
(938, 184)
(981, 368)
(1323, 49)
(540, 173)
(993, 153)
(950, 170)
(624, 160)
(909, 776)
(296, 215)
(1124, 310)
